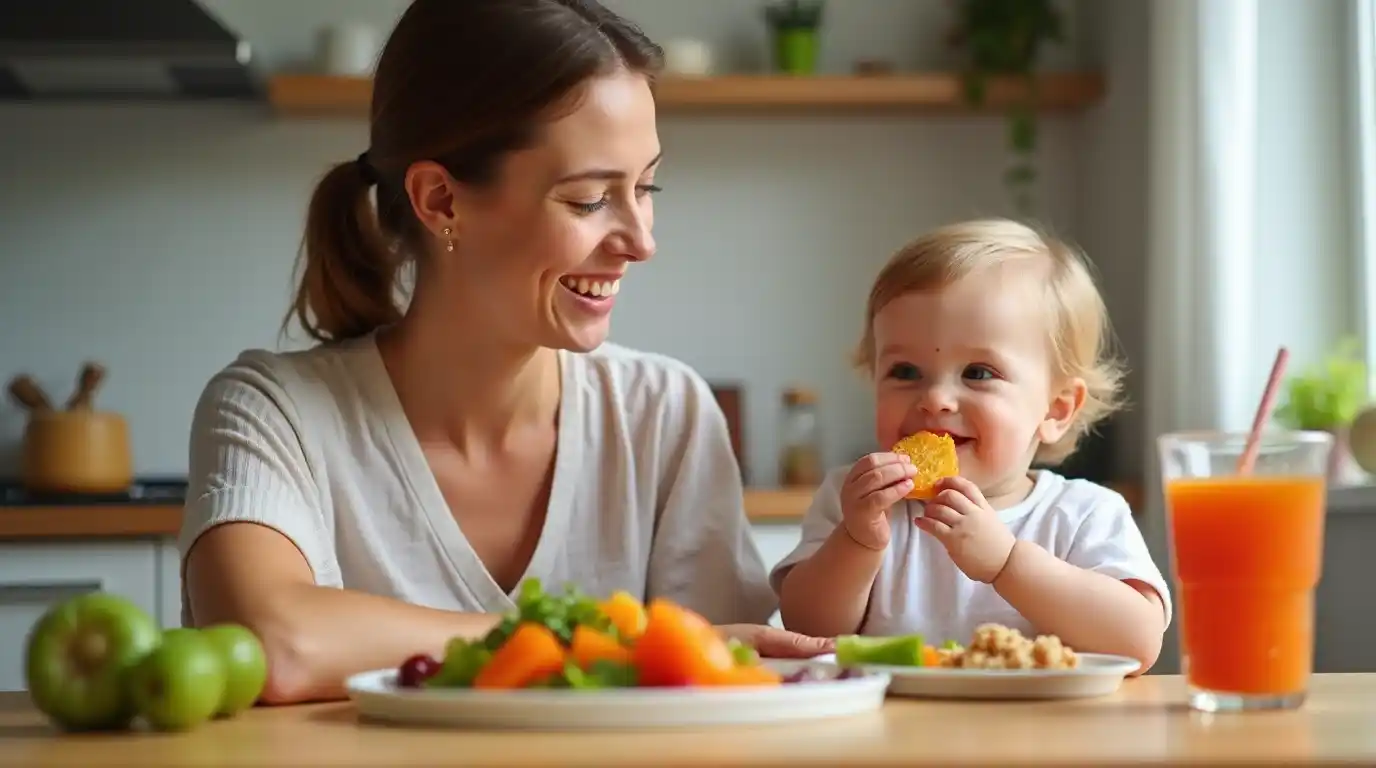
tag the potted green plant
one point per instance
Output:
(1005, 38)
(795, 32)
(1327, 397)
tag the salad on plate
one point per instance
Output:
(573, 641)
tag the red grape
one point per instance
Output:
(416, 670)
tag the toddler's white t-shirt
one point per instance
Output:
(919, 590)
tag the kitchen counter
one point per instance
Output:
(150, 508)
(137, 519)
(783, 506)
(1143, 724)
(90, 521)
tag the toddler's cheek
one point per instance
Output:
(996, 457)
(888, 429)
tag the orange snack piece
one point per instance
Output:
(935, 458)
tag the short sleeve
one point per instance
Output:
(1109, 542)
(821, 518)
(703, 555)
(247, 465)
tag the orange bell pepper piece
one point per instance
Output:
(590, 646)
(626, 614)
(532, 653)
(679, 648)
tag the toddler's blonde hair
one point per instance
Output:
(1080, 336)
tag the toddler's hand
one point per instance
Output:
(875, 483)
(970, 530)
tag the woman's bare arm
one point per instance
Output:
(314, 637)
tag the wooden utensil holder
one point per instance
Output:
(77, 451)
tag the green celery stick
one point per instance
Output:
(901, 651)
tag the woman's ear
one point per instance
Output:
(1064, 407)
(432, 192)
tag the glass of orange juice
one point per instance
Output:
(1247, 553)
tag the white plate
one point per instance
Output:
(377, 697)
(1097, 675)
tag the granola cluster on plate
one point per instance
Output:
(995, 646)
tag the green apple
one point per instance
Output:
(179, 685)
(246, 666)
(77, 658)
(176, 631)
(1361, 439)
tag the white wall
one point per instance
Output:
(160, 239)
(1307, 297)
(1113, 191)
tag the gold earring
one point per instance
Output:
(449, 246)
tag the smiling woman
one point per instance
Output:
(386, 490)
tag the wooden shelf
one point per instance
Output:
(304, 94)
(918, 92)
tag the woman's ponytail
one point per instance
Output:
(347, 272)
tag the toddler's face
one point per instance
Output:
(973, 360)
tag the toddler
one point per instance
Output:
(996, 335)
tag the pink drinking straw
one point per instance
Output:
(1268, 404)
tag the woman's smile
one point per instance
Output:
(594, 294)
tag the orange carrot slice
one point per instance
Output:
(930, 657)
(532, 653)
(590, 646)
(752, 675)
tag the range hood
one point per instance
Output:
(120, 50)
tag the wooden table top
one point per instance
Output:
(1145, 723)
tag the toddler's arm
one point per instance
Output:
(824, 583)
(826, 594)
(1107, 596)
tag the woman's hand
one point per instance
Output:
(776, 643)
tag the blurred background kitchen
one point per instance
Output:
(1215, 158)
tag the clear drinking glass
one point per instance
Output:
(1247, 553)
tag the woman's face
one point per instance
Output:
(543, 251)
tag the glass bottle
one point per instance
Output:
(801, 440)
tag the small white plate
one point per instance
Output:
(377, 696)
(1098, 674)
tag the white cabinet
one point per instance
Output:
(169, 565)
(775, 541)
(35, 575)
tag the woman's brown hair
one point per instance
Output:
(460, 82)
